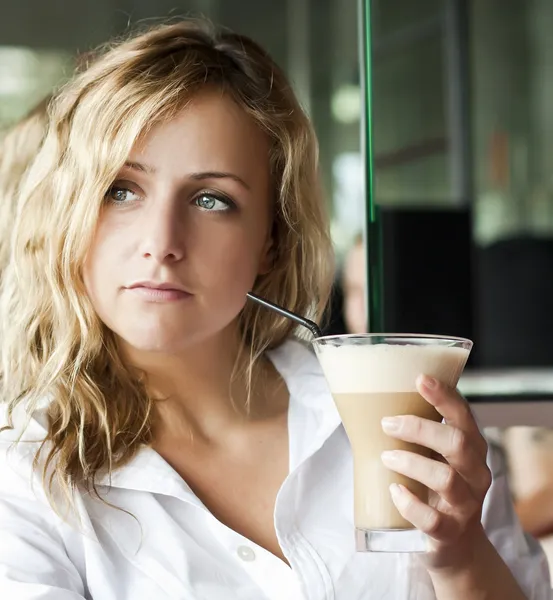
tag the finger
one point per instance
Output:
(453, 444)
(425, 518)
(452, 406)
(459, 448)
(439, 477)
(447, 401)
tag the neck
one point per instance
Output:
(200, 390)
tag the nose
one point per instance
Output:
(162, 234)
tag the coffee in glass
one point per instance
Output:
(374, 376)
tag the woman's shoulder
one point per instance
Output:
(296, 357)
(23, 423)
(21, 436)
(297, 364)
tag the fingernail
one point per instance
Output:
(428, 382)
(395, 491)
(389, 456)
(390, 424)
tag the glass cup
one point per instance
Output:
(374, 376)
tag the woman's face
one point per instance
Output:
(185, 230)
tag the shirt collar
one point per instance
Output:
(312, 418)
(312, 415)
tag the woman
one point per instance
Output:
(353, 282)
(171, 440)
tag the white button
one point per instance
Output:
(246, 553)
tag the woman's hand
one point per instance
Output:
(458, 478)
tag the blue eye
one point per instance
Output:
(121, 195)
(212, 203)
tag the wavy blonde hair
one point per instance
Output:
(18, 148)
(53, 343)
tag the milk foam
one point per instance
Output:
(382, 368)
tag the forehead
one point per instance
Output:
(211, 132)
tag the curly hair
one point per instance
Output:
(53, 344)
(18, 148)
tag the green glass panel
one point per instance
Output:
(372, 232)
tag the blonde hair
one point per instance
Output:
(18, 148)
(53, 343)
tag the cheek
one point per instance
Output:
(231, 260)
(102, 260)
(232, 267)
(95, 281)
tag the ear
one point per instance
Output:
(268, 255)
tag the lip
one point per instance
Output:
(162, 291)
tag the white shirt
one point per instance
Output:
(172, 548)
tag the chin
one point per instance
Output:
(168, 333)
(156, 346)
(171, 342)
(166, 338)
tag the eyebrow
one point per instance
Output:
(196, 176)
(219, 175)
(136, 166)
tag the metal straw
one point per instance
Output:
(313, 327)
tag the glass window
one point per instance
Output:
(512, 89)
(26, 76)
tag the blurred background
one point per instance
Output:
(462, 117)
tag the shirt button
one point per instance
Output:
(246, 553)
